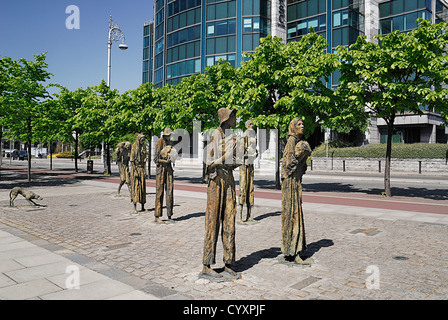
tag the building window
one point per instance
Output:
(340, 18)
(403, 22)
(221, 10)
(301, 27)
(305, 9)
(226, 57)
(221, 27)
(185, 51)
(158, 75)
(182, 5)
(395, 7)
(251, 7)
(159, 31)
(337, 4)
(184, 35)
(160, 16)
(184, 19)
(221, 45)
(250, 41)
(159, 46)
(183, 68)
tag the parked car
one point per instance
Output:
(23, 155)
(14, 154)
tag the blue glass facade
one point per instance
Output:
(190, 35)
(186, 36)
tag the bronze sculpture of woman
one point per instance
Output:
(294, 166)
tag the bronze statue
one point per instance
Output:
(165, 154)
(221, 196)
(246, 195)
(138, 172)
(123, 151)
(29, 196)
(294, 166)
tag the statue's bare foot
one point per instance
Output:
(230, 271)
(240, 221)
(206, 270)
(306, 262)
(158, 220)
(170, 220)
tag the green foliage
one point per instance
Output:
(400, 73)
(22, 92)
(399, 150)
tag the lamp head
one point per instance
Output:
(123, 46)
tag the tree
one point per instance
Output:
(402, 72)
(281, 82)
(136, 113)
(94, 118)
(64, 113)
(22, 96)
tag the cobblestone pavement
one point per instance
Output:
(356, 257)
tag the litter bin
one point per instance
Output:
(89, 166)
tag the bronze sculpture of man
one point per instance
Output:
(221, 195)
(294, 166)
(138, 172)
(123, 151)
(165, 155)
(246, 196)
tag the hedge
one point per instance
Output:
(399, 151)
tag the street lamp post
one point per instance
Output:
(115, 34)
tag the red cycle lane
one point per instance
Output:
(410, 205)
(336, 199)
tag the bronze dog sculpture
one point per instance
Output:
(29, 195)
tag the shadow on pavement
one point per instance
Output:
(314, 247)
(252, 259)
(15, 177)
(411, 192)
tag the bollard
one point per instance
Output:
(311, 164)
(379, 166)
(419, 167)
(343, 165)
(89, 166)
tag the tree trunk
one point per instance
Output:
(76, 151)
(29, 149)
(390, 132)
(277, 161)
(204, 158)
(108, 169)
(149, 153)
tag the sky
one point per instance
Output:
(77, 58)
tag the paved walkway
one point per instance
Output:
(363, 247)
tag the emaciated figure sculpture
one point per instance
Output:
(293, 167)
(246, 196)
(138, 179)
(123, 151)
(165, 154)
(221, 196)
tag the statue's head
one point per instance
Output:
(167, 133)
(225, 114)
(296, 127)
(249, 124)
(141, 138)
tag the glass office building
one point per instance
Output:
(189, 35)
(186, 36)
(148, 38)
